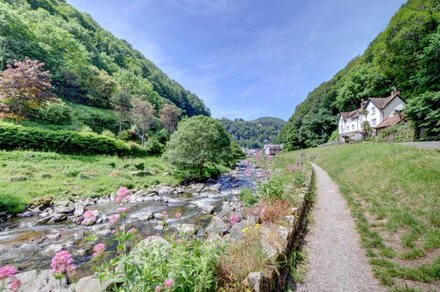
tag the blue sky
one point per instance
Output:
(246, 58)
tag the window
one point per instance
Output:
(342, 129)
(348, 129)
(373, 122)
(373, 110)
(352, 127)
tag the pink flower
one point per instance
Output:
(234, 218)
(157, 289)
(122, 195)
(113, 218)
(248, 171)
(168, 283)
(164, 214)
(62, 263)
(89, 214)
(122, 210)
(132, 230)
(7, 271)
(178, 215)
(98, 249)
(14, 284)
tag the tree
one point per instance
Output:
(142, 115)
(169, 116)
(198, 141)
(424, 111)
(24, 87)
(122, 105)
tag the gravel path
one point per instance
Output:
(336, 260)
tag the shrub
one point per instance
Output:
(153, 146)
(55, 113)
(248, 198)
(397, 133)
(271, 189)
(17, 137)
(107, 133)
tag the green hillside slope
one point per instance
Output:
(87, 63)
(405, 56)
(253, 134)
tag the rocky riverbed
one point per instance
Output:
(29, 240)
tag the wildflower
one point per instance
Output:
(62, 263)
(113, 218)
(89, 217)
(132, 230)
(257, 225)
(122, 195)
(244, 230)
(122, 210)
(178, 215)
(14, 284)
(248, 171)
(168, 283)
(234, 218)
(98, 249)
(157, 289)
(164, 214)
(7, 271)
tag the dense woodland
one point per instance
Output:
(256, 133)
(406, 56)
(91, 71)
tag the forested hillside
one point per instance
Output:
(253, 134)
(88, 65)
(406, 56)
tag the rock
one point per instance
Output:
(186, 228)
(236, 231)
(290, 219)
(257, 282)
(209, 209)
(44, 220)
(196, 188)
(140, 173)
(57, 217)
(165, 190)
(42, 281)
(46, 212)
(64, 207)
(217, 226)
(104, 232)
(215, 188)
(158, 228)
(79, 209)
(158, 216)
(26, 214)
(52, 249)
(79, 252)
(90, 283)
(53, 236)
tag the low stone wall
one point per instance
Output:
(281, 278)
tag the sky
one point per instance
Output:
(246, 58)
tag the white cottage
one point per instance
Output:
(380, 112)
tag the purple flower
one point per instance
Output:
(7, 271)
(168, 283)
(62, 263)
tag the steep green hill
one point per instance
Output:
(253, 134)
(405, 56)
(87, 63)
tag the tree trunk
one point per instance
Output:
(201, 169)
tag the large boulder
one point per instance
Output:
(90, 284)
(217, 226)
(64, 207)
(42, 281)
(257, 282)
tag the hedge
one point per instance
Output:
(14, 137)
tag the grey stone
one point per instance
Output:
(217, 226)
(88, 284)
(52, 236)
(158, 228)
(79, 252)
(257, 282)
(64, 207)
(186, 228)
(44, 220)
(52, 249)
(42, 281)
(104, 232)
(79, 209)
(57, 217)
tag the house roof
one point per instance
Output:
(389, 121)
(273, 146)
(382, 102)
(352, 114)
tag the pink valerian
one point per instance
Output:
(62, 263)
(98, 249)
(168, 283)
(89, 216)
(113, 218)
(234, 218)
(248, 171)
(14, 284)
(178, 215)
(132, 231)
(7, 271)
(122, 195)
(122, 210)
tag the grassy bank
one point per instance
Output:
(394, 194)
(26, 176)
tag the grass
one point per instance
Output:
(394, 194)
(26, 176)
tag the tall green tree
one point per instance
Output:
(142, 115)
(198, 141)
(121, 102)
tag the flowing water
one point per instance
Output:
(29, 245)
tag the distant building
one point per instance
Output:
(379, 112)
(272, 149)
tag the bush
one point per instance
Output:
(109, 134)
(55, 113)
(271, 189)
(153, 146)
(17, 137)
(97, 119)
(397, 133)
(248, 198)
(188, 263)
